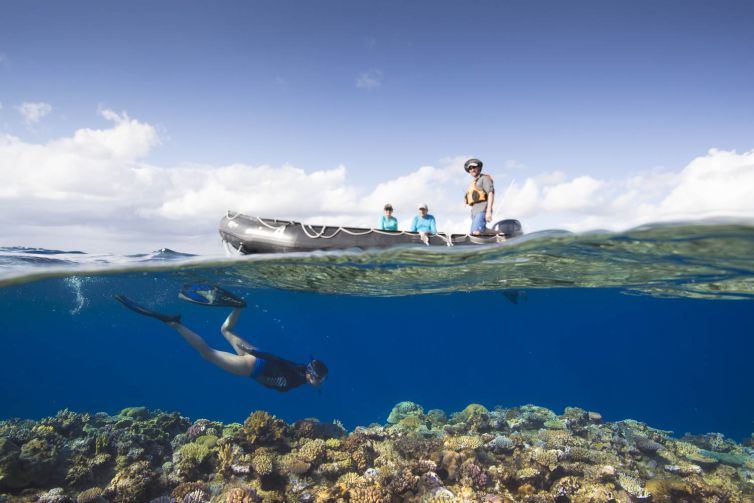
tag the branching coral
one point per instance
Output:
(263, 462)
(261, 428)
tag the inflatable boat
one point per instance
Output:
(248, 235)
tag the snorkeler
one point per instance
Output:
(267, 369)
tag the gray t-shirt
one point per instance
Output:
(484, 183)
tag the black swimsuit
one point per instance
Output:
(276, 373)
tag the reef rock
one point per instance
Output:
(521, 454)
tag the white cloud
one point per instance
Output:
(512, 164)
(369, 80)
(95, 191)
(719, 182)
(32, 112)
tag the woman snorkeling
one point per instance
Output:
(267, 369)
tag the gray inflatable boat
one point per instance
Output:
(249, 234)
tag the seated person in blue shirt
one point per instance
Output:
(388, 222)
(267, 369)
(424, 222)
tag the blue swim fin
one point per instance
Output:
(210, 295)
(133, 306)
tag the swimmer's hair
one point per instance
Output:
(320, 368)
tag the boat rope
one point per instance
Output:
(273, 227)
(313, 233)
(228, 247)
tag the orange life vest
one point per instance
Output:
(475, 194)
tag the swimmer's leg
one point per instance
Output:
(235, 364)
(133, 306)
(241, 346)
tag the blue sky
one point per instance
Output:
(603, 89)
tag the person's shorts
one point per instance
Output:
(478, 223)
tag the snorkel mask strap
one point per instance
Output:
(310, 370)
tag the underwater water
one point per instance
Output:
(653, 324)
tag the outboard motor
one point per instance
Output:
(509, 227)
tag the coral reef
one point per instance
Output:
(520, 454)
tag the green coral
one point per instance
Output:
(135, 412)
(209, 440)
(232, 430)
(194, 454)
(410, 423)
(555, 424)
(471, 413)
(404, 409)
(101, 444)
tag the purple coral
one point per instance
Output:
(474, 474)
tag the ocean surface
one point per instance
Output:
(655, 324)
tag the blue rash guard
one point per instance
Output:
(388, 223)
(424, 224)
(276, 373)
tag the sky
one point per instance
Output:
(132, 126)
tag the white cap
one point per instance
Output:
(423, 206)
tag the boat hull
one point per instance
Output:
(250, 234)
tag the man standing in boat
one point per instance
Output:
(480, 196)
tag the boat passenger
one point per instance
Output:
(388, 222)
(267, 369)
(480, 196)
(424, 222)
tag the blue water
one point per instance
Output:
(666, 340)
